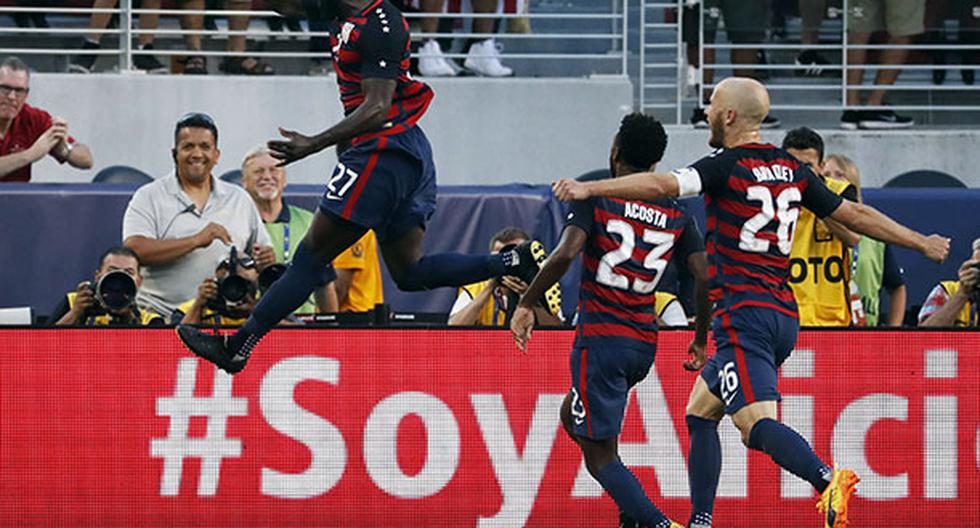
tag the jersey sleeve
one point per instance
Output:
(706, 175)
(817, 197)
(893, 275)
(850, 193)
(580, 215)
(139, 218)
(382, 45)
(690, 240)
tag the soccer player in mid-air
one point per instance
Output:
(753, 193)
(385, 181)
(627, 245)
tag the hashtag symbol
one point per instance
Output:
(213, 447)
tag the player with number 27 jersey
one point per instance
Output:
(629, 245)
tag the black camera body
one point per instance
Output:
(232, 288)
(115, 293)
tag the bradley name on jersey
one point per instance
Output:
(774, 172)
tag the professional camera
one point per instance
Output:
(115, 292)
(975, 292)
(233, 289)
(270, 275)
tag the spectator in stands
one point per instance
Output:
(820, 258)
(482, 55)
(486, 303)
(967, 15)
(241, 65)
(811, 14)
(27, 133)
(903, 19)
(93, 41)
(956, 303)
(182, 225)
(875, 263)
(265, 180)
(211, 307)
(745, 23)
(116, 305)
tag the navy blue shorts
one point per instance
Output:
(387, 184)
(751, 344)
(601, 383)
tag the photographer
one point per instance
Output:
(955, 303)
(109, 299)
(227, 298)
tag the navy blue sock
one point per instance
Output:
(450, 269)
(790, 450)
(304, 274)
(703, 467)
(623, 487)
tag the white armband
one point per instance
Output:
(688, 182)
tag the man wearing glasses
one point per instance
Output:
(28, 133)
(183, 224)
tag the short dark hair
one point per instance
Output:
(509, 233)
(804, 138)
(196, 120)
(122, 251)
(642, 140)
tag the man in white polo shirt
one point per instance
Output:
(182, 225)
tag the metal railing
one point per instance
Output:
(38, 41)
(801, 93)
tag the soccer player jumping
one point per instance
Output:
(385, 181)
(753, 194)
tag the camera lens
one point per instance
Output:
(234, 288)
(116, 290)
(270, 275)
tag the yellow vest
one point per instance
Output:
(365, 288)
(211, 317)
(820, 269)
(662, 300)
(490, 315)
(962, 318)
(146, 316)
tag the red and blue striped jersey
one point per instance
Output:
(375, 45)
(752, 196)
(629, 245)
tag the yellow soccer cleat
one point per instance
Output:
(833, 501)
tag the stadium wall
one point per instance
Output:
(431, 428)
(483, 131)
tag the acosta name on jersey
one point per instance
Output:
(635, 211)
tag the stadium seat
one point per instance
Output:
(233, 176)
(122, 174)
(924, 178)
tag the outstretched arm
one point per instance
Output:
(869, 221)
(638, 186)
(522, 322)
(369, 116)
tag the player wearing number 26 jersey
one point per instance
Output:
(753, 193)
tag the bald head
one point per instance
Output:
(747, 97)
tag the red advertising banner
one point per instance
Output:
(414, 428)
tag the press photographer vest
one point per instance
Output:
(962, 318)
(146, 317)
(820, 269)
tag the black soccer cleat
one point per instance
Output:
(525, 260)
(212, 347)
